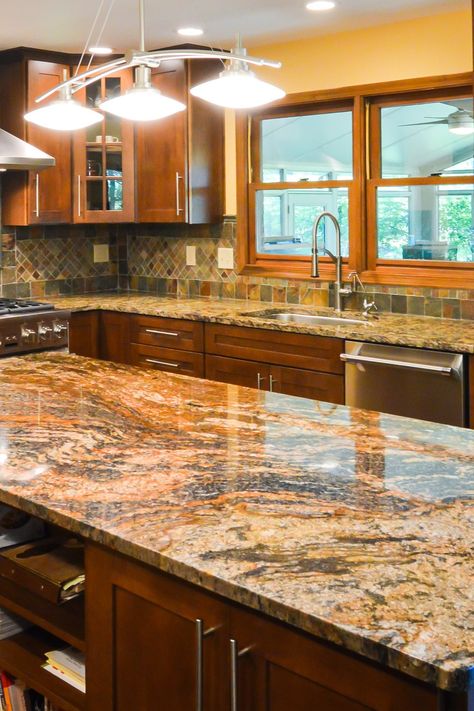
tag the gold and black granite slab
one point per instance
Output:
(419, 332)
(352, 525)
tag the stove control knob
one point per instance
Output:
(28, 335)
(60, 329)
(44, 331)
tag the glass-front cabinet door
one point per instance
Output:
(103, 184)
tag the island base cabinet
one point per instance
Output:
(275, 668)
(154, 643)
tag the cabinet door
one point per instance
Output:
(103, 154)
(84, 333)
(50, 189)
(153, 642)
(238, 372)
(275, 668)
(161, 153)
(308, 383)
(114, 339)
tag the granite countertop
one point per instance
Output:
(352, 525)
(417, 331)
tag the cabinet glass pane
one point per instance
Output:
(94, 195)
(112, 124)
(94, 161)
(114, 161)
(306, 148)
(285, 219)
(428, 139)
(426, 222)
(114, 195)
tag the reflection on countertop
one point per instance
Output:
(351, 525)
(417, 331)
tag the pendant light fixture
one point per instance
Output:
(236, 87)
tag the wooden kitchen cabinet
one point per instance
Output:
(34, 197)
(103, 158)
(238, 372)
(148, 635)
(84, 333)
(180, 159)
(194, 642)
(114, 336)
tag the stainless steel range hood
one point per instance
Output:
(16, 154)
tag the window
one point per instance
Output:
(395, 164)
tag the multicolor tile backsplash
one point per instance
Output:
(41, 261)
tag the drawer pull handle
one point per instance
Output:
(201, 633)
(162, 362)
(234, 672)
(175, 334)
(272, 382)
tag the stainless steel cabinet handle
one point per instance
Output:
(78, 195)
(407, 365)
(162, 333)
(162, 362)
(178, 208)
(234, 673)
(200, 634)
(37, 195)
(260, 380)
(272, 382)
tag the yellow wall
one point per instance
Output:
(428, 46)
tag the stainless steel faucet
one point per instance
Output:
(339, 290)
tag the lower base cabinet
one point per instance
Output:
(155, 642)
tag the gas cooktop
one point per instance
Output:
(15, 306)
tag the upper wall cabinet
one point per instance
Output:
(32, 197)
(180, 159)
(103, 158)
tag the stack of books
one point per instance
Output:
(14, 696)
(11, 624)
(69, 665)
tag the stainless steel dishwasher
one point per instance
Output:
(413, 382)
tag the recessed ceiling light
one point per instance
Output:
(319, 5)
(103, 51)
(190, 31)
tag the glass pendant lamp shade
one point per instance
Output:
(65, 114)
(143, 102)
(461, 123)
(237, 88)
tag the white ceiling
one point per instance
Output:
(64, 24)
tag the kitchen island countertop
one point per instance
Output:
(354, 526)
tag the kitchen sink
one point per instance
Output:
(308, 319)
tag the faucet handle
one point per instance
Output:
(369, 307)
(356, 280)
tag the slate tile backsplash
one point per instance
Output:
(47, 261)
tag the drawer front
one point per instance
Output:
(306, 383)
(169, 359)
(289, 349)
(167, 333)
(238, 372)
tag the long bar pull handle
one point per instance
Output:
(260, 380)
(162, 333)
(178, 202)
(79, 196)
(200, 635)
(234, 673)
(37, 195)
(420, 367)
(162, 362)
(272, 382)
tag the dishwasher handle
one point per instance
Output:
(407, 365)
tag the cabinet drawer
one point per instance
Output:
(238, 372)
(307, 383)
(167, 333)
(289, 349)
(169, 359)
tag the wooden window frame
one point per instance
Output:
(365, 102)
